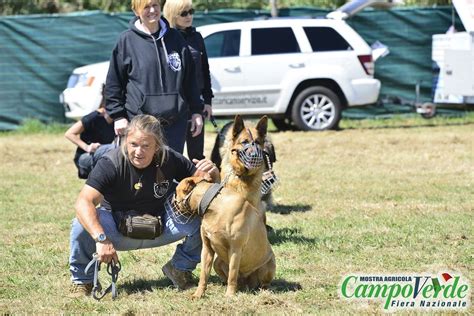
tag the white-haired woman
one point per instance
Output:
(179, 14)
(127, 179)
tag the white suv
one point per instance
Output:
(300, 71)
(83, 93)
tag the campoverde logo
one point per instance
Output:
(442, 291)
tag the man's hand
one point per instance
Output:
(208, 111)
(205, 166)
(106, 252)
(120, 126)
(91, 148)
(196, 124)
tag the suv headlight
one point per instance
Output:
(80, 80)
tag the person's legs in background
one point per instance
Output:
(101, 151)
(175, 134)
(195, 145)
(87, 161)
(84, 165)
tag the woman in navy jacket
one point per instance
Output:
(152, 72)
(179, 13)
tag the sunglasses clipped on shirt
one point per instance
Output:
(185, 13)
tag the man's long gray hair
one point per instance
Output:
(149, 125)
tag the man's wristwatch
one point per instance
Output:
(100, 237)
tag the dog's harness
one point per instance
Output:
(207, 198)
(181, 210)
(112, 269)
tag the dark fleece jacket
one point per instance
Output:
(198, 51)
(152, 74)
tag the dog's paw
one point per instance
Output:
(230, 292)
(198, 294)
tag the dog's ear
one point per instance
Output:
(262, 126)
(188, 185)
(238, 126)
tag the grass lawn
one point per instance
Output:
(377, 197)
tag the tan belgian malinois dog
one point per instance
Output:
(245, 178)
(233, 230)
(269, 178)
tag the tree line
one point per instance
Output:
(11, 7)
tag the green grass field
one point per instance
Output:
(377, 197)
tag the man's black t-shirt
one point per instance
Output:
(96, 130)
(126, 187)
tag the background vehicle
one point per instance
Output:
(303, 71)
(297, 71)
(453, 64)
(83, 93)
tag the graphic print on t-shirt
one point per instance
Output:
(160, 189)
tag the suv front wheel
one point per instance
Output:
(316, 109)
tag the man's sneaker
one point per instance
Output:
(80, 290)
(183, 280)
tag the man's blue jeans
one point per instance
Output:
(185, 258)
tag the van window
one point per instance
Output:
(223, 44)
(275, 40)
(323, 39)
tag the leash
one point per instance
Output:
(207, 198)
(214, 123)
(112, 269)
